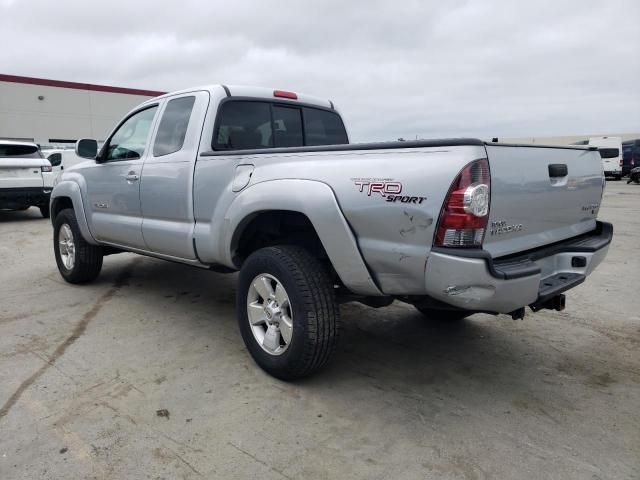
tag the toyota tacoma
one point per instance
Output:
(265, 182)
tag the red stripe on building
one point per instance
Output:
(77, 86)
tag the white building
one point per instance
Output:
(53, 112)
(57, 113)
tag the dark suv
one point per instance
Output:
(630, 155)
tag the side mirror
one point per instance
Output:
(87, 148)
(55, 159)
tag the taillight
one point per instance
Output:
(621, 162)
(46, 168)
(465, 213)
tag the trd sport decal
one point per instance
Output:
(387, 188)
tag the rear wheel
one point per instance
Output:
(443, 315)
(77, 260)
(44, 210)
(287, 311)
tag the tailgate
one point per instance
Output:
(541, 195)
(20, 173)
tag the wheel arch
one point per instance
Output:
(311, 207)
(272, 227)
(67, 195)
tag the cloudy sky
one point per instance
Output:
(394, 68)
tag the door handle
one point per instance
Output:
(558, 170)
(132, 177)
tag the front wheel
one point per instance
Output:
(287, 311)
(78, 261)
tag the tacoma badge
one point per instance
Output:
(501, 227)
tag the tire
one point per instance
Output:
(310, 312)
(44, 210)
(444, 316)
(87, 258)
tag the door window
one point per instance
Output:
(130, 139)
(173, 126)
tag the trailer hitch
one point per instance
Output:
(557, 303)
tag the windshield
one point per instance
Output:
(19, 151)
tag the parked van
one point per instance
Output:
(611, 153)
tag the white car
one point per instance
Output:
(55, 157)
(60, 160)
(26, 177)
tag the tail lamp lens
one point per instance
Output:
(465, 213)
(46, 168)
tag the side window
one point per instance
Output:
(55, 159)
(243, 125)
(129, 141)
(173, 126)
(287, 126)
(323, 128)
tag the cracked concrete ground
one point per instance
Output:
(83, 371)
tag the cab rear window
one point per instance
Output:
(323, 127)
(20, 151)
(244, 124)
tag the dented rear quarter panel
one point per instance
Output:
(394, 237)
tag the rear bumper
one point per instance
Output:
(473, 280)
(25, 196)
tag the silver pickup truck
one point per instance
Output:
(265, 182)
